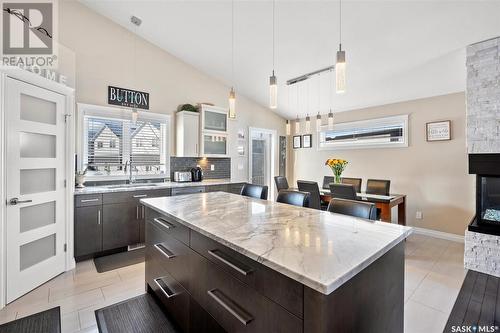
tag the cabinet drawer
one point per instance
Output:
(169, 226)
(188, 190)
(173, 297)
(85, 200)
(279, 288)
(171, 254)
(133, 196)
(238, 308)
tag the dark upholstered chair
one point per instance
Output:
(313, 189)
(352, 181)
(378, 186)
(254, 191)
(281, 183)
(326, 182)
(364, 210)
(343, 191)
(295, 198)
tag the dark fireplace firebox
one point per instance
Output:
(486, 167)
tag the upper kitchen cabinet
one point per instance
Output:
(213, 119)
(483, 97)
(187, 133)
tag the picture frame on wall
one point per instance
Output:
(438, 131)
(297, 141)
(307, 141)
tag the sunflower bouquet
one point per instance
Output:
(337, 165)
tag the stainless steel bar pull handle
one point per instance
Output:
(90, 200)
(231, 262)
(99, 216)
(15, 201)
(163, 250)
(140, 196)
(243, 317)
(163, 223)
(165, 288)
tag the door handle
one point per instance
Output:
(99, 217)
(15, 201)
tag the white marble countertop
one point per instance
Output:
(319, 249)
(149, 186)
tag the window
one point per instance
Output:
(373, 133)
(110, 142)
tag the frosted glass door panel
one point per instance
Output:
(37, 180)
(36, 216)
(37, 145)
(215, 121)
(214, 145)
(38, 110)
(37, 251)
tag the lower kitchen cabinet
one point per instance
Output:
(120, 225)
(88, 230)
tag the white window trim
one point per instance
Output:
(118, 113)
(369, 123)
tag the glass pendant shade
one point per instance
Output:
(297, 125)
(135, 114)
(232, 104)
(273, 92)
(288, 127)
(340, 69)
(330, 120)
(308, 124)
(318, 122)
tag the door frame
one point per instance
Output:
(274, 135)
(39, 81)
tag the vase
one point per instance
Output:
(337, 179)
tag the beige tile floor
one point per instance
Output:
(434, 274)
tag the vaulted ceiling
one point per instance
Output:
(396, 50)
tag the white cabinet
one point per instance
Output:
(213, 119)
(187, 134)
(213, 144)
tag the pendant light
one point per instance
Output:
(330, 114)
(340, 65)
(297, 125)
(232, 93)
(318, 117)
(273, 83)
(308, 119)
(308, 123)
(288, 127)
(136, 22)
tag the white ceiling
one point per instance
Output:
(396, 50)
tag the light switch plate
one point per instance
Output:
(212, 167)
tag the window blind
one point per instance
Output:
(112, 143)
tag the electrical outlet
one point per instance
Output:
(419, 215)
(212, 167)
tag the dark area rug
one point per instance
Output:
(140, 314)
(118, 260)
(478, 304)
(48, 321)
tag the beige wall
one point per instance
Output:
(104, 55)
(432, 174)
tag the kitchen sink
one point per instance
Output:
(132, 185)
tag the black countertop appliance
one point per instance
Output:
(196, 174)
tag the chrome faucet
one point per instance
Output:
(131, 178)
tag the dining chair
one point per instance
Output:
(378, 186)
(313, 189)
(281, 183)
(343, 191)
(353, 181)
(295, 198)
(254, 191)
(326, 182)
(361, 209)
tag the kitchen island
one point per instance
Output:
(224, 262)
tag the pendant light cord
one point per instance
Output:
(330, 90)
(232, 43)
(340, 24)
(274, 4)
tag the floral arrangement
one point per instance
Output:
(337, 165)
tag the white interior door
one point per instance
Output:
(35, 189)
(261, 157)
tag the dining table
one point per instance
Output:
(383, 202)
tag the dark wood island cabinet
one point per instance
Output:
(223, 262)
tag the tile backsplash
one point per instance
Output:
(222, 166)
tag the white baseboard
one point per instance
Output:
(439, 234)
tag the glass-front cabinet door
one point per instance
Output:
(214, 119)
(214, 144)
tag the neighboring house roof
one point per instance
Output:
(97, 126)
(155, 129)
